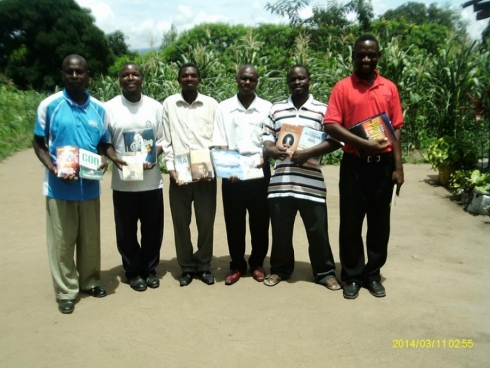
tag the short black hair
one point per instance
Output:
(74, 56)
(366, 37)
(189, 65)
(297, 66)
(127, 64)
(244, 66)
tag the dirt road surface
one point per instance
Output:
(436, 312)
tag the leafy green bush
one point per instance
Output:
(17, 117)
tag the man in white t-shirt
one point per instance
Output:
(136, 123)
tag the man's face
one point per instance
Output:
(189, 79)
(203, 169)
(298, 82)
(130, 79)
(246, 80)
(74, 74)
(366, 56)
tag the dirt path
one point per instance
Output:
(436, 278)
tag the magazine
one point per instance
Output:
(89, 163)
(201, 166)
(141, 143)
(294, 137)
(134, 169)
(182, 164)
(66, 160)
(193, 166)
(231, 163)
(376, 127)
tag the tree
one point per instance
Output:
(117, 44)
(169, 37)
(364, 11)
(289, 8)
(419, 13)
(35, 36)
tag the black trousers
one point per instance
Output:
(147, 207)
(283, 213)
(238, 198)
(202, 195)
(365, 190)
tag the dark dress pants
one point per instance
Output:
(203, 195)
(238, 198)
(365, 190)
(147, 207)
(283, 213)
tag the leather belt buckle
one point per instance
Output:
(372, 159)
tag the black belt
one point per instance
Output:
(371, 159)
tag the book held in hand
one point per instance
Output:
(201, 166)
(66, 160)
(141, 143)
(193, 166)
(182, 164)
(295, 137)
(89, 163)
(376, 127)
(134, 169)
(230, 163)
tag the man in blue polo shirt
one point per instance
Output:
(72, 118)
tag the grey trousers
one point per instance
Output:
(181, 198)
(70, 225)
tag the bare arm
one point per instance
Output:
(398, 176)
(42, 154)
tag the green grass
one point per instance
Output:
(17, 116)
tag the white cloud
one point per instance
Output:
(142, 20)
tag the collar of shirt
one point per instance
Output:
(198, 99)
(239, 106)
(377, 79)
(305, 105)
(72, 103)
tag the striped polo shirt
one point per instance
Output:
(289, 180)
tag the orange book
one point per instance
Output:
(67, 160)
(376, 127)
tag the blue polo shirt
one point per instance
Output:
(63, 122)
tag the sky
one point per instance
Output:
(145, 21)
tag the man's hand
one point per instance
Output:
(278, 153)
(174, 177)
(299, 157)
(104, 165)
(118, 162)
(375, 146)
(234, 179)
(399, 179)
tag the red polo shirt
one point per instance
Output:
(354, 100)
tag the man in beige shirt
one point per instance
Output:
(188, 125)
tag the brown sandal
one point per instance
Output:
(331, 284)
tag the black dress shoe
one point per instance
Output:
(137, 283)
(351, 290)
(206, 277)
(375, 288)
(96, 292)
(153, 281)
(66, 306)
(186, 278)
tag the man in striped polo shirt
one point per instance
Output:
(297, 185)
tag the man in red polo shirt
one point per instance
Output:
(366, 181)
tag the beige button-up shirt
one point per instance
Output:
(187, 127)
